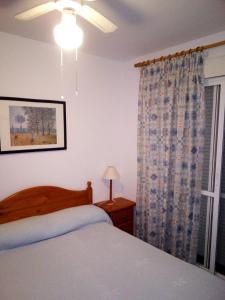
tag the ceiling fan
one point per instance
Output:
(67, 34)
(73, 6)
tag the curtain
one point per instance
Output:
(170, 154)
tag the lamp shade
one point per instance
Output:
(111, 173)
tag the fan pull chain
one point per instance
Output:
(61, 72)
(76, 74)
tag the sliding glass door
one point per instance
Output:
(211, 246)
(220, 250)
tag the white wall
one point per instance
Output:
(100, 120)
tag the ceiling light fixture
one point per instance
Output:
(67, 34)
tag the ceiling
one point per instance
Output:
(145, 26)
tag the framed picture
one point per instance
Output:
(31, 125)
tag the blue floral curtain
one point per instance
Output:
(170, 154)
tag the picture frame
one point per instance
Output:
(28, 125)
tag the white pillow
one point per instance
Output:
(38, 228)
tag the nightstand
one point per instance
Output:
(121, 212)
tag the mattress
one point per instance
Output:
(99, 261)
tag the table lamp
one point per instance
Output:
(111, 174)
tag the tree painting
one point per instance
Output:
(20, 119)
(32, 125)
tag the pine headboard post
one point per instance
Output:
(89, 191)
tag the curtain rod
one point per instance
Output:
(177, 54)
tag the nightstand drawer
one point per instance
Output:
(128, 227)
(122, 216)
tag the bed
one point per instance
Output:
(55, 244)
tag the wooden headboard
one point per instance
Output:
(41, 200)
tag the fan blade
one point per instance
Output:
(96, 19)
(36, 11)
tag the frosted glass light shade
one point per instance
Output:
(111, 173)
(67, 34)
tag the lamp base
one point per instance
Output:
(110, 202)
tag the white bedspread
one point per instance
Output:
(101, 262)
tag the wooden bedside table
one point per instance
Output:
(121, 213)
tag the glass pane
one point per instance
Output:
(210, 138)
(220, 252)
(202, 231)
